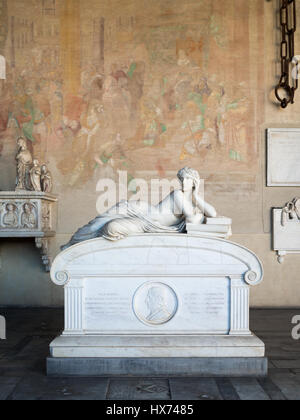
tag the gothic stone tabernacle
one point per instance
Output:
(29, 214)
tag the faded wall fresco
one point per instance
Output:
(133, 84)
(144, 86)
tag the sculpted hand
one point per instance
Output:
(196, 191)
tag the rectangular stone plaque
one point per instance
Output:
(161, 305)
(286, 237)
(283, 157)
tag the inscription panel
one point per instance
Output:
(283, 157)
(107, 304)
(167, 305)
(206, 303)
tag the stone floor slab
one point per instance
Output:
(38, 387)
(271, 389)
(287, 364)
(194, 389)
(23, 367)
(7, 385)
(288, 384)
(249, 389)
(139, 389)
(226, 389)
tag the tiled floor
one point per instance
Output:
(23, 355)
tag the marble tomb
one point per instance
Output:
(157, 304)
(170, 298)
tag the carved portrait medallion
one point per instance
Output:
(155, 303)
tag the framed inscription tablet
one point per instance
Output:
(283, 157)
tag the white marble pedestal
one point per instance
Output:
(157, 305)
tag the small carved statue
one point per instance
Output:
(24, 163)
(10, 219)
(35, 176)
(46, 179)
(28, 219)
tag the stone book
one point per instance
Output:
(207, 228)
(226, 221)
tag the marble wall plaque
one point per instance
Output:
(283, 157)
(174, 305)
(286, 237)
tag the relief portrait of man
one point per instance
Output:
(157, 305)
